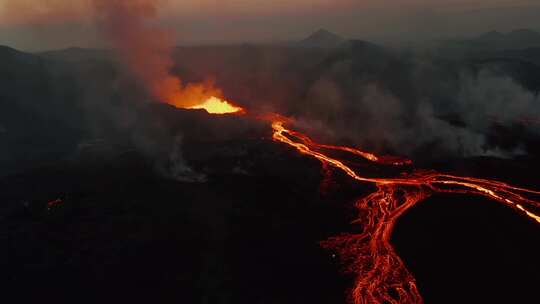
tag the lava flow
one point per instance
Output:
(381, 276)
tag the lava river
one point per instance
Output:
(381, 276)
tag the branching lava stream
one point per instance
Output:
(381, 276)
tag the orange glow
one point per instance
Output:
(54, 203)
(381, 276)
(148, 52)
(214, 105)
(195, 96)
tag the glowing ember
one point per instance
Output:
(214, 105)
(54, 203)
(381, 276)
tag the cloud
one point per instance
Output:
(50, 12)
(199, 21)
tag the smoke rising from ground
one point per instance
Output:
(443, 118)
(380, 100)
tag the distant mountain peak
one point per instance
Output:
(516, 39)
(492, 35)
(322, 39)
(7, 49)
(524, 30)
(326, 32)
(524, 34)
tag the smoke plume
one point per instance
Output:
(147, 50)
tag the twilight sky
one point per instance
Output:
(50, 24)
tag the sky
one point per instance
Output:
(52, 24)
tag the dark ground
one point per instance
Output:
(122, 233)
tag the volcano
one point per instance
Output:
(322, 39)
(323, 171)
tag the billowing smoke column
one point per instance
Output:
(147, 51)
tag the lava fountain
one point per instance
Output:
(214, 105)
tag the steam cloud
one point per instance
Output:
(378, 116)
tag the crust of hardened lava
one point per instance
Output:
(249, 234)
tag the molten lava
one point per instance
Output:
(214, 105)
(381, 276)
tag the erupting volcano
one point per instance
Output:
(214, 105)
(381, 276)
(143, 151)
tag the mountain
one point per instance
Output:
(322, 39)
(491, 36)
(525, 37)
(38, 116)
(49, 103)
(517, 39)
(77, 55)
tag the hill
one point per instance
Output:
(322, 39)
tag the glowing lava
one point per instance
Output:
(381, 276)
(214, 105)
